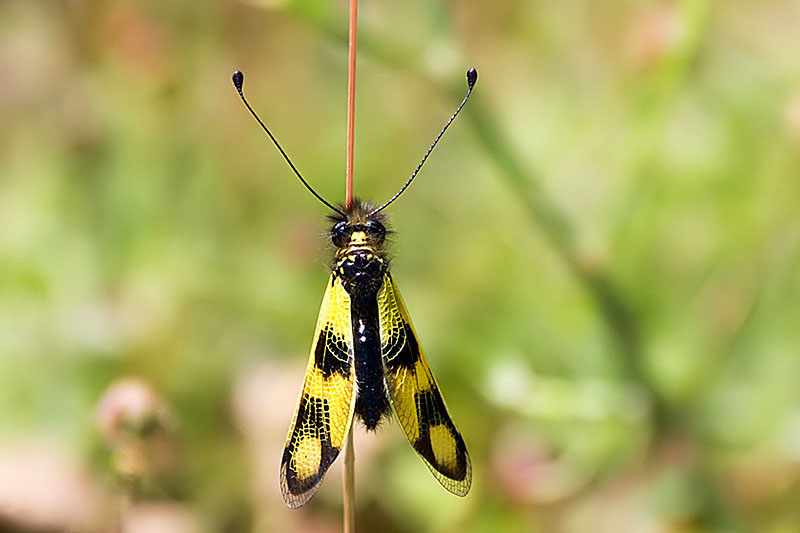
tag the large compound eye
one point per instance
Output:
(339, 234)
(376, 230)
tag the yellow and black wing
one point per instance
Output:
(325, 410)
(415, 397)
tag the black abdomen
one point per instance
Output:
(371, 401)
(363, 277)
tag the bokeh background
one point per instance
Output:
(602, 259)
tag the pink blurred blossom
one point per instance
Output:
(655, 34)
(132, 420)
(128, 405)
(529, 472)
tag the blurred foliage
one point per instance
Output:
(602, 258)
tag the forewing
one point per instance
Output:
(415, 397)
(325, 410)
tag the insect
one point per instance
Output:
(366, 360)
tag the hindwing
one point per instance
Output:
(415, 398)
(325, 410)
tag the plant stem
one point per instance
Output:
(348, 478)
(351, 104)
(348, 482)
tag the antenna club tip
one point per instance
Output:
(238, 79)
(472, 77)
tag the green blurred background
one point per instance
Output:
(602, 259)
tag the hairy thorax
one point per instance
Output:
(360, 268)
(359, 259)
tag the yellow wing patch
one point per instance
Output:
(325, 410)
(415, 397)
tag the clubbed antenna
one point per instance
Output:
(238, 82)
(472, 78)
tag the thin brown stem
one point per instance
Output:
(349, 485)
(351, 103)
(348, 478)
